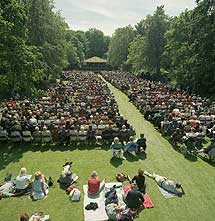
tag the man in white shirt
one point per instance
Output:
(166, 184)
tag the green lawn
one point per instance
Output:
(197, 176)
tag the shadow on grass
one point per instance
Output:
(191, 157)
(207, 160)
(13, 152)
(116, 162)
(131, 158)
(186, 151)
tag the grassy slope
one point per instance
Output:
(197, 177)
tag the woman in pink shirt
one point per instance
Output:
(95, 186)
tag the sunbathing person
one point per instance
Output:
(7, 189)
(67, 177)
(39, 187)
(166, 184)
(95, 186)
(140, 181)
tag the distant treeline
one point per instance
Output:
(36, 44)
(178, 49)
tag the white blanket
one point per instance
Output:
(100, 213)
(165, 193)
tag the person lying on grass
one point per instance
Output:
(166, 184)
(7, 189)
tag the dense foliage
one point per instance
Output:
(119, 44)
(180, 49)
(36, 44)
(191, 48)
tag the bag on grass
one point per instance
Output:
(70, 188)
(121, 177)
(75, 195)
(50, 182)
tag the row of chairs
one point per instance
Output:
(46, 137)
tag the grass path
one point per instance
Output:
(198, 178)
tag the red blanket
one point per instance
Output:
(147, 201)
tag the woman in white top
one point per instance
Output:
(22, 182)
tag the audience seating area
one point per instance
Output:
(79, 109)
(180, 116)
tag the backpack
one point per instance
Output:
(50, 182)
(75, 195)
(70, 188)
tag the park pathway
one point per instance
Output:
(158, 148)
(195, 176)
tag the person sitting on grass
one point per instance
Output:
(140, 181)
(210, 150)
(39, 186)
(166, 184)
(141, 143)
(22, 183)
(95, 186)
(131, 146)
(134, 199)
(116, 149)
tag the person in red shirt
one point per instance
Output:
(95, 186)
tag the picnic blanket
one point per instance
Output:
(100, 213)
(165, 193)
(147, 201)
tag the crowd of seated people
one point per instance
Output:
(118, 148)
(79, 109)
(182, 117)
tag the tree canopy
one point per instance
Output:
(36, 44)
(119, 44)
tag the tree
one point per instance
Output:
(47, 32)
(96, 42)
(136, 57)
(119, 44)
(191, 48)
(18, 60)
(146, 52)
(179, 48)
